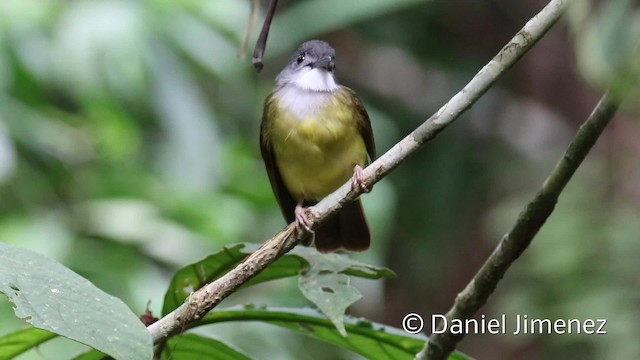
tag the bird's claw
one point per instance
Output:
(302, 220)
(302, 224)
(358, 179)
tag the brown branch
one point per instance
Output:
(261, 44)
(202, 301)
(205, 299)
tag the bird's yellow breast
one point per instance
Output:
(316, 144)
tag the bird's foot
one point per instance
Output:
(358, 179)
(302, 224)
(302, 220)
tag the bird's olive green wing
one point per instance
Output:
(364, 124)
(283, 197)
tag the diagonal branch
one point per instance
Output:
(205, 299)
(529, 222)
(533, 31)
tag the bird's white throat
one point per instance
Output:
(306, 91)
(314, 80)
(301, 102)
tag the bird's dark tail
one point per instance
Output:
(347, 230)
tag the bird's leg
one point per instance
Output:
(358, 179)
(302, 220)
(302, 223)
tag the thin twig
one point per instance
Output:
(205, 299)
(261, 44)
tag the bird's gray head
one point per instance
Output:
(311, 68)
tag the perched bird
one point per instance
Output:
(315, 135)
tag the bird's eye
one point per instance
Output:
(300, 59)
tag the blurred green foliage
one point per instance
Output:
(128, 148)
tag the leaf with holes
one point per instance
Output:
(325, 284)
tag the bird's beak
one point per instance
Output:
(328, 63)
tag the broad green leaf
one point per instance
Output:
(196, 347)
(369, 339)
(54, 298)
(16, 343)
(194, 276)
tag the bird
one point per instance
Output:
(315, 135)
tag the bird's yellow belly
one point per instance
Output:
(317, 155)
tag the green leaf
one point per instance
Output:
(91, 355)
(194, 276)
(52, 297)
(16, 343)
(325, 285)
(369, 339)
(186, 347)
(196, 347)
(342, 263)
(331, 292)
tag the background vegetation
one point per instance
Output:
(128, 148)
